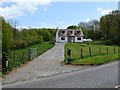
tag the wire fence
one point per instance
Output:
(84, 52)
(17, 58)
(98, 51)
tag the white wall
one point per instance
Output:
(78, 40)
(57, 37)
(66, 39)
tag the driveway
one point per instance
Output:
(48, 64)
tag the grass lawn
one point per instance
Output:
(100, 54)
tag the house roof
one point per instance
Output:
(70, 32)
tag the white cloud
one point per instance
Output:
(21, 7)
(87, 20)
(22, 27)
(103, 11)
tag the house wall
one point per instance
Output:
(57, 37)
(78, 40)
(66, 39)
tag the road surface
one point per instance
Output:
(104, 76)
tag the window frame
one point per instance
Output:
(78, 38)
(62, 38)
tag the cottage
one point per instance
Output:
(69, 35)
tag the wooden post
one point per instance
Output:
(29, 54)
(69, 55)
(37, 52)
(22, 57)
(90, 51)
(81, 53)
(14, 59)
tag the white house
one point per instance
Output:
(69, 35)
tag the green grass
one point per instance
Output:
(96, 60)
(96, 57)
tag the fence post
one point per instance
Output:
(114, 49)
(37, 52)
(81, 54)
(14, 59)
(100, 50)
(4, 59)
(22, 57)
(69, 56)
(107, 50)
(90, 51)
(29, 54)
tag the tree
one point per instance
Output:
(73, 27)
(103, 24)
(7, 41)
(109, 26)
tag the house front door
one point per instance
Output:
(71, 39)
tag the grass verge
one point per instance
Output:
(100, 54)
(96, 60)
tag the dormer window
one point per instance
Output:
(78, 32)
(63, 32)
(71, 32)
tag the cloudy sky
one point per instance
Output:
(51, 13)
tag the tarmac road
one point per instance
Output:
(104, 76)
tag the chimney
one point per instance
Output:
(57, 28)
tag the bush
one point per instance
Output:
(108, 42)
(95, 43)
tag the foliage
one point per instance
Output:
(28, 37)
(73, 27)
(13, 39)
(92, 24)
(91, 29)
(7, 40)
(109, 26)
(7, 36)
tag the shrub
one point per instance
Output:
(108, 42)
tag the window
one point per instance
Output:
(62, 38)
(63, 32)
(71, 32)
(78, 38)
(78, 32)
